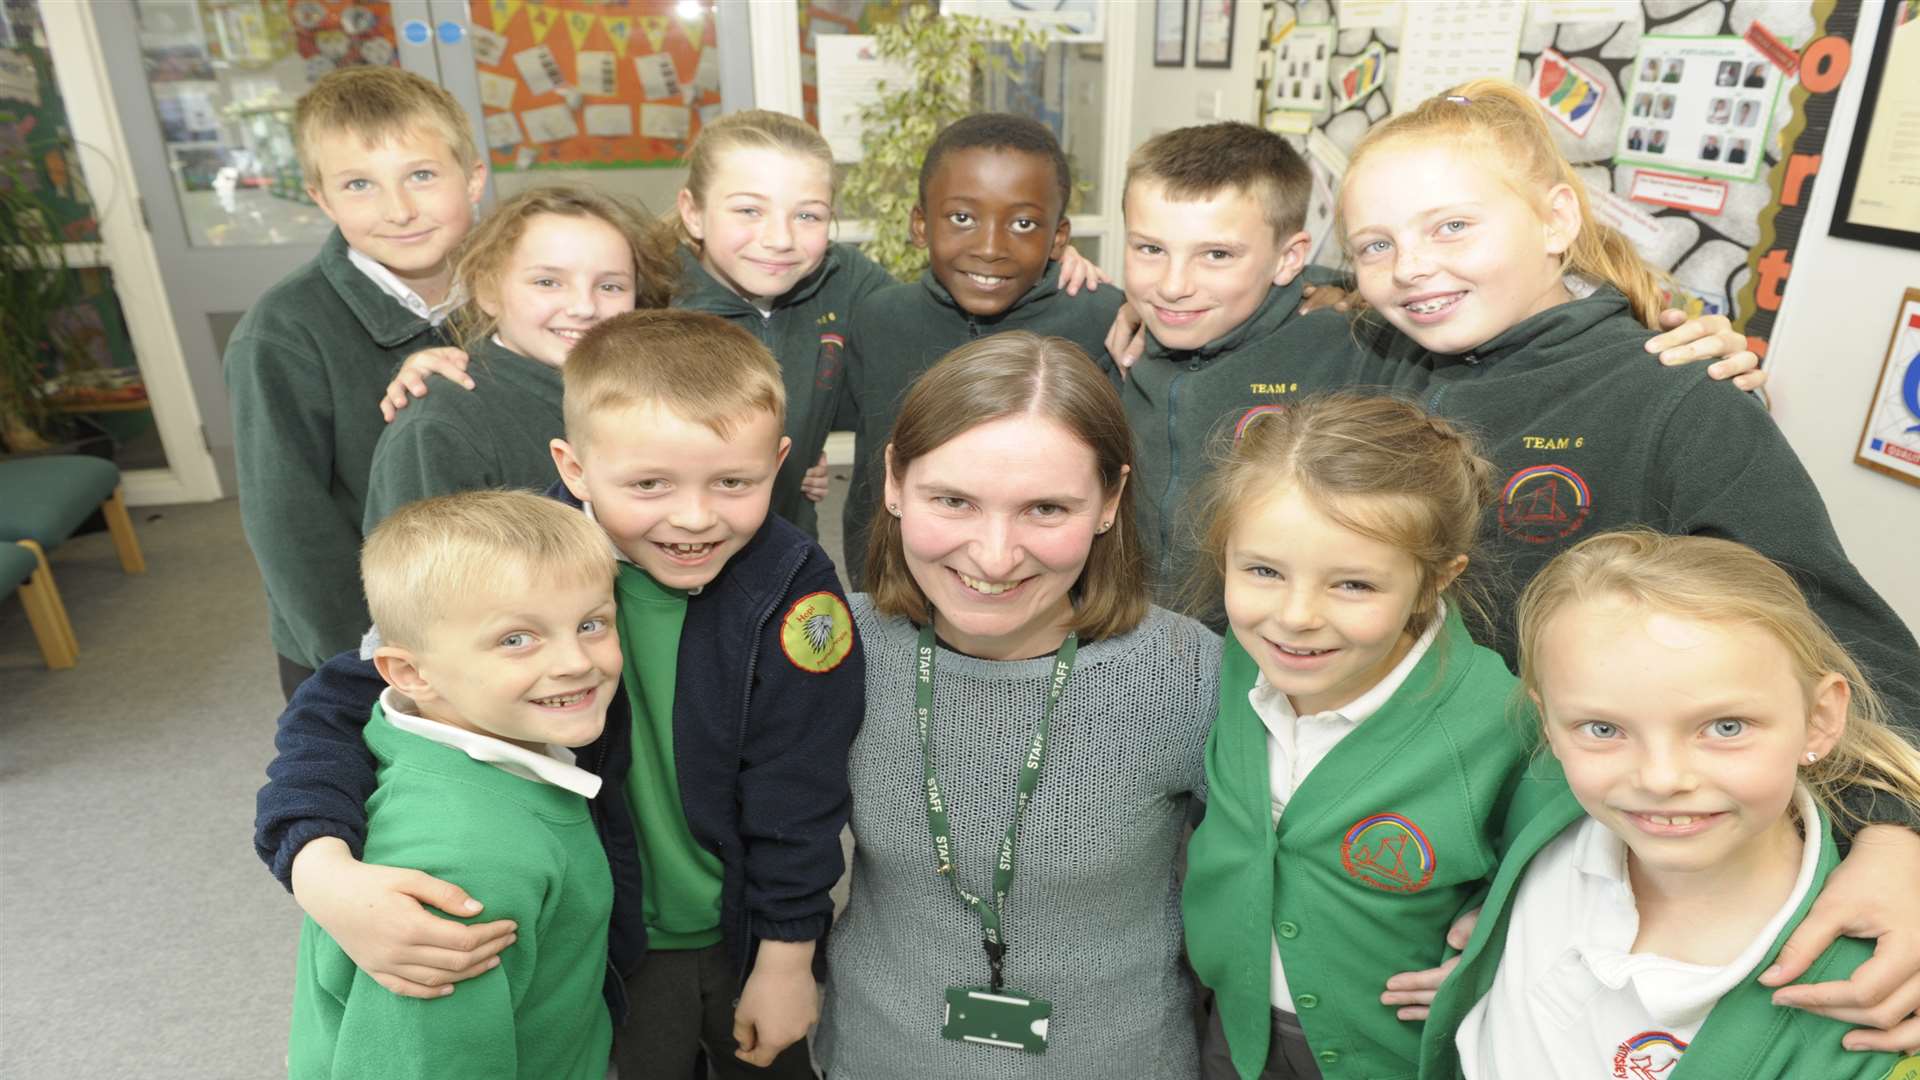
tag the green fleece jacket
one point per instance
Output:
(1745, 1035)
(807, 332)
(305, 371)
(1179, 401)
(906, 329)
(494, 436)
(1389, 839)
(532, 850)
(1587, 432)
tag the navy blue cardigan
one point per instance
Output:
(760, 751)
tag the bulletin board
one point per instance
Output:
(585, 84)
(1696, 126)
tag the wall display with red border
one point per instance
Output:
(1890, 440)
(579, 84)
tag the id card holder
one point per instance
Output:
(1006, 1018)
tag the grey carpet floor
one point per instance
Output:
(139, 935)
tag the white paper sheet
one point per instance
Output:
(496, 91)
(666, 121)
(850, 75)
(488, 47)
(1446, 42)
(549, 124)
(539, 69)
(594, 73)
(503, 131)
(657, 76)
(1365, 14)
(608, 120)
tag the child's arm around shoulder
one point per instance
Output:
(310, 826)
(472, 1033)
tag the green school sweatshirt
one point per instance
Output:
(531, 849)
(680, 880)
(906, 329)
(1587, 432)
(493, 436)
(1745, 1035)
(1179, 401)
(807, 332)
(1388, 840)
(306, 368)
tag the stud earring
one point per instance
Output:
(1104, 526)
(1812, 757)
(894, 509)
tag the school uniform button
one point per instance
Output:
(1328, 1057)
(1306, 1001)
(1287, 930)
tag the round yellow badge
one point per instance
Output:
(817, 632)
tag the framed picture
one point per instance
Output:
(1169, 33)
(1880, 190)
(1890, 441)
(1213, 34)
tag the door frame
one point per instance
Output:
(126, 248)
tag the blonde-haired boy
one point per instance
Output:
(726, 758)
(496, 615)
(387, 156)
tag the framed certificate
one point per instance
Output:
(1890, 441)
(1213, 34)
(1880, 190)
(1169, 33)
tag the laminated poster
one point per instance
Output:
(1699, 105)
(1568, 94)
(1362, 77)
(1447, 42)
(1302, 57)
(851, 78)
(1890, 442)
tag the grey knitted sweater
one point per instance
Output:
(1093, 920)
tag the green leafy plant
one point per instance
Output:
(35, 283)
(951, 58)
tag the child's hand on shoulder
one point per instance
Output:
(1076, 272)
(1315, 297)
(376, 915)
(779, 1003)
(1709, 337)
(1127, 338)
(411, 382)
(1869, 895)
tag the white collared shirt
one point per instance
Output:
(390, 283)
(1297, 744)
(554, 767)
(1572, 998)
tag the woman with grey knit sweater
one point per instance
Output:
(1033, 738)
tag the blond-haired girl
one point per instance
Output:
(1707, 721)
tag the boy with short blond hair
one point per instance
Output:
(744, 688)
(496, 615)
(387, 156)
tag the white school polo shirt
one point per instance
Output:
(1296, 744)
(1571, 999)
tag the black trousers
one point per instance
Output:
(679, 1004)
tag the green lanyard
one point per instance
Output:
(937, 824)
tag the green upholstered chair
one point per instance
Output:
(44, 499)
(23, 566)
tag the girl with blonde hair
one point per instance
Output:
(1707, 722)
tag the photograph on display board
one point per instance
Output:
(575, 84)
(1890, 441)
(1707, 106)
(1301, 61)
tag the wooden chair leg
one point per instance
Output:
(48, 618)
(125, 541)
(55, 607)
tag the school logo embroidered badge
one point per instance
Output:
(816, 633)
(1650, 1055)
(1905, 1069)
(1544, 503)
(1389, 852)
